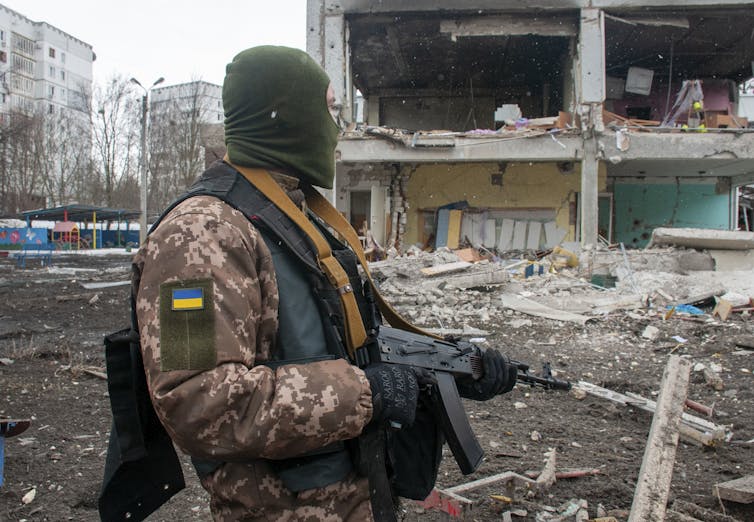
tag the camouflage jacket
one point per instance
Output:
(205, 376)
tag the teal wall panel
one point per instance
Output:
(640, 208)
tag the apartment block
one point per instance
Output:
(202, 98)
(41, 66)
(521, 124)
(191, 107)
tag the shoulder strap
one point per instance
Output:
(355, 333)
(320, 206)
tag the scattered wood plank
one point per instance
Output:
(656, 472)
(701, 513)
(469, 255)
(689, 434)
(548, 122)
(507, 477)
(108, 284)
(723, 309)
(705, 430)
(73, 297)
(451, 502)
(547, 478)
(454, 505)
(95, 373)
(565, 120)
(454, 228)
(740, 490)
(567, 473)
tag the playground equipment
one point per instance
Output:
(66, 234)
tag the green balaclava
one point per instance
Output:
(276, 114)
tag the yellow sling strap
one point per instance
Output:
(355, 332)
(320, 206)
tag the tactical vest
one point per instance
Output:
(310, 320)
(295, 254)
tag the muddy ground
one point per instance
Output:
(51, 331)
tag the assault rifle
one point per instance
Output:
(447, 360)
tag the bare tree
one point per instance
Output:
(116, 145)
(176, 140)
(63, 146)
(20, 185)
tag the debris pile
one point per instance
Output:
(466, 288)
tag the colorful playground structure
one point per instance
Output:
(70, 227)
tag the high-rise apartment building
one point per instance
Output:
(201, 98)
(193, 110)
(41, 66)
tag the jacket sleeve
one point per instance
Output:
(238, 409)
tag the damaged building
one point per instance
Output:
(518, 125)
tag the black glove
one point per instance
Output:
(395, 391)
(499, 377)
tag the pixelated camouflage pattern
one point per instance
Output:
(241, 411)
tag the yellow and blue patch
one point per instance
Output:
(187, 325)
(187, 299)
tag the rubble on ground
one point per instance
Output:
(442, 290)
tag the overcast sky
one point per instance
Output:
(181, 40)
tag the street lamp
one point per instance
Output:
(143, 157)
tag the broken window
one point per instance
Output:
(452, 73)
(650, 55)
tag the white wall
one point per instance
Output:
(746, 106)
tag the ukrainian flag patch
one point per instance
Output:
(187, 299)
(187, 325)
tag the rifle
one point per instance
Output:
(447, 361)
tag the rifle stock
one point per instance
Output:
(448, 361)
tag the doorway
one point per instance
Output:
(360, 210)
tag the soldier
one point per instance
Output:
(243, 337)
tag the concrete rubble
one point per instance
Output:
(605, 280)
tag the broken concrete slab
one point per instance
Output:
(553, 234)
(651, 333)
(493, 275)
(446, 268)
(703, 238)
(506, 235)
(529, 307)
(693, 260)
(740, 490)
(519, 235)
(535, 231)
(594, 304)
(726, 260)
